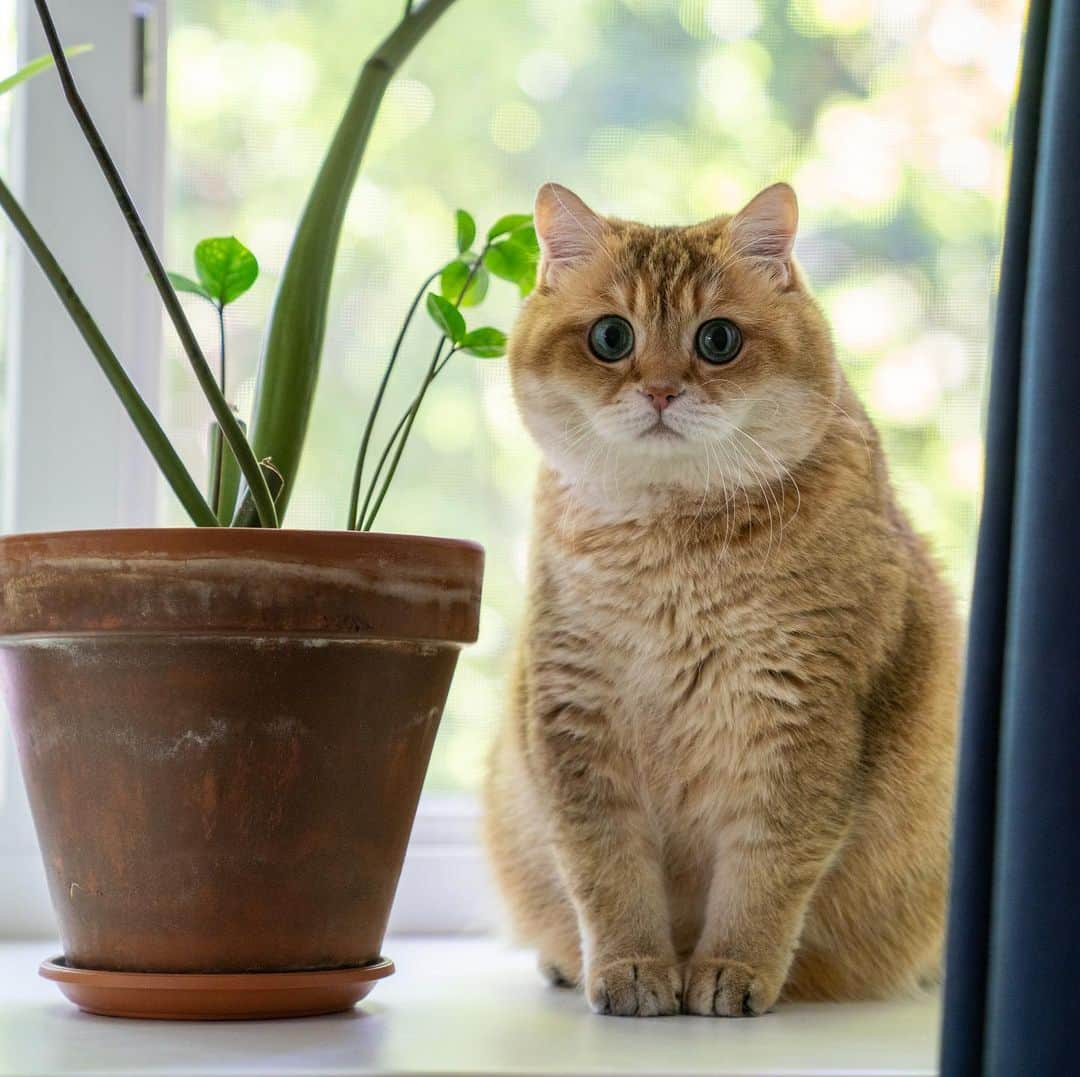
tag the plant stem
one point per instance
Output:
(229, 489)
(246, 514)
(160, 448)
(221, 344)
(226, 420)
(358, 474)
(410, 418)
(214, 452)
(407, 418)
(433, 369)
(218, 454)
(290, 364)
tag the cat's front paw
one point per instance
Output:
(722, 988)
(560, 973)
(635, 987)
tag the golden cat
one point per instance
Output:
(726, 774)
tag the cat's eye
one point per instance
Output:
(718, 341)
(611, 339)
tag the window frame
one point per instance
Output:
(57, 399)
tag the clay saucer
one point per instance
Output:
(215, 996)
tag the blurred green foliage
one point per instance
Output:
(888, 116)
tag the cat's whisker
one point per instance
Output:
(846, 415)
(730, 503)
(766, 488)
(722, 458)
(770, 498)
(580, 435)
(592, 454)
(748, 463)
(782, 474)
(705, 494)
(745, 493)
(604, 471)
(581, 424)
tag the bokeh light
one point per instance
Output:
(889, 116)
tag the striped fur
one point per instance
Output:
(725, 773)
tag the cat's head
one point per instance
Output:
(661, 356)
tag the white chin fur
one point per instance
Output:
(610, 456)
(623, 467)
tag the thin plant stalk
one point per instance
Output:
(215, 454)
(358, 474)
(289, 369)
(168, 462)
(246, 515)
(393, 440)
(409, 419)
(228, 478)
(220, 307)
(230, 487)
(222, 412)
(366, 521)
(218, 456)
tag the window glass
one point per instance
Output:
(889, 116)
(7, 65)
(8, 60)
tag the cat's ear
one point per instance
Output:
(764, 230)
(567, 229)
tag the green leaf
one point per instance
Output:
(507, 260)
(466, 231)
(510, 223)
(186, 284)
(485, 343)
(527, 238)
(35, 67)
(452, 283)
(514, 262)
(446, 316)
(226, 267)
(527, 281)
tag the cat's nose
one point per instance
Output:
(660, 396)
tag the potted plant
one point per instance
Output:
(224, 730)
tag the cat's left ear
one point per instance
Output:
(568, 231)
(764, 230)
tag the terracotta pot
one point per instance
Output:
(224, 733)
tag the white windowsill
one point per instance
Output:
(457, 1006)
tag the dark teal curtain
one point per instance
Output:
(1012, 986)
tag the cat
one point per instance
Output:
(725, 777)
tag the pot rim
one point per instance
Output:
(434, 541)
(240, 581)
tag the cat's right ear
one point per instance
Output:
(567, 229)
(764, 230)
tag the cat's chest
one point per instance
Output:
(677, 650)
(671, 634)
(680, 657)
